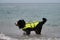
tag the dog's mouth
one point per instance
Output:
(16, 24)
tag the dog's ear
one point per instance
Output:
(23, 22)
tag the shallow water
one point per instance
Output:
(10, 13)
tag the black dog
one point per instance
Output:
(21, 24)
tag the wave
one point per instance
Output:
(4, 37)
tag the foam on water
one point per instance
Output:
(36, 37)
(3, 37)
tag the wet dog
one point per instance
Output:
(21, 24)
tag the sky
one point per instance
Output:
(29, 1)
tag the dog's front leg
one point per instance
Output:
(24, 33)
(28, 32)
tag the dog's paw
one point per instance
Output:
(24, 33)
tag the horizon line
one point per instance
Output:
(28, 3)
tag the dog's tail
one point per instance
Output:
(44, 20)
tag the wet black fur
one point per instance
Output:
(37, 29)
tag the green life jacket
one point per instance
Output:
(30, 25)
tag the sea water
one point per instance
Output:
(10, 13)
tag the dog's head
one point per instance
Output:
(20, 24)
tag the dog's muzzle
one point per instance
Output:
(16, 24)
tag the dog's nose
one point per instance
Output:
(16, 23)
